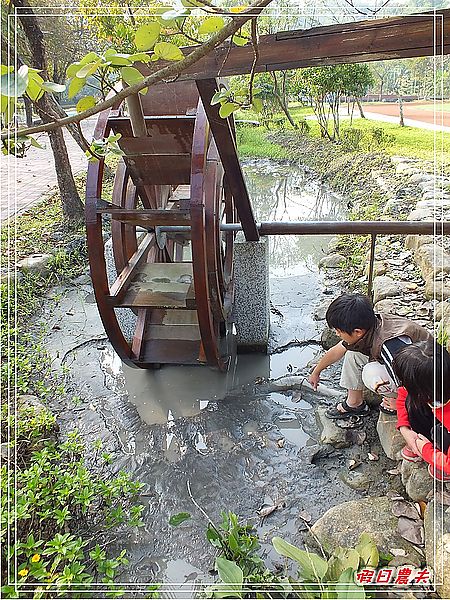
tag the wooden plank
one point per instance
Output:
(159, 169)
(124, 279)
(424, 34)
(176, 352)
(161, 285)
(148, 217)
(173, 332)
(226, 146)
(174, 317)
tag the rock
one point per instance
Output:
(437, 545)
(4, 451)
(442, 311)
(333, 245)
(321, 309)
(330, 433)
(329, 338)
(385, 287)
(379, 268)
(391, 439)
(432, 260)
(411, 530)
(437, 289)
(342, 525)
(27, 401)
(356, 480)
(415, 241)
(332, 261)
(420, 177)
(416, 480)
(386, 306)
(35, 263)
(12, 276)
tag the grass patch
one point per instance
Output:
(253, 142)
(55, 522)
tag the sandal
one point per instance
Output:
(387, 411)
(350, 411)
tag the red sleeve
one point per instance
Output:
(402, 413)
(436, 458)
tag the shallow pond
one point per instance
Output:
(238, 447)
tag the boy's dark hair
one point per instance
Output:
(350, 312)
(423, 369)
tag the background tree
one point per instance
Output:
(325, 86)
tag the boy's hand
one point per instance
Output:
(421, 441)
(314, 379)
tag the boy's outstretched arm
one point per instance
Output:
(329, 358)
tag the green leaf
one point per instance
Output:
(171, 16)
(7, 108)
(231, 574)
(131, 75)
(220, 96)
(35, 143)
(75, 86)
(73, 69)
(368, 551)
(34, 89)
(347, 588)
(140, 56)
(179, 518)
(349, 558)
(89, 69)
(239, 40)
(4, 69)
(50, 86)
(85, 103)
(211, 25)
(257, 105)
(119, 60)
(90, 57)
(147, 35)
(168, 51)
(312, 567)
(143, 91)
(227, 108)
(14, 85)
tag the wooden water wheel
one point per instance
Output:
(175, 284)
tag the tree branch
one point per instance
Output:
(169, 71)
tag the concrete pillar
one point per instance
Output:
(252, 298)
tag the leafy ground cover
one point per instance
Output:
(55, 511)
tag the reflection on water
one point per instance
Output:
(281, 192)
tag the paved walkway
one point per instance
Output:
(23, 181)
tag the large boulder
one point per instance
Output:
(437, 545)
(437, 289)
(432, 260)
(342, 525)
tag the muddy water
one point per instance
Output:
(237, 447)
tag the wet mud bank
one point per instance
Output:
(242, 441)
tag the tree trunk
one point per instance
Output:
(71, 201)
(28, 111)
(400, 106)
(361, 113)
(380, 97)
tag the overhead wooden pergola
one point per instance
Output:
(424, 34)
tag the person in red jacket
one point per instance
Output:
(423, 405)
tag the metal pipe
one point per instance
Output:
(371, 264)
(334, 227)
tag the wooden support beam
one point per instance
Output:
(424, 34)
(226, 146)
